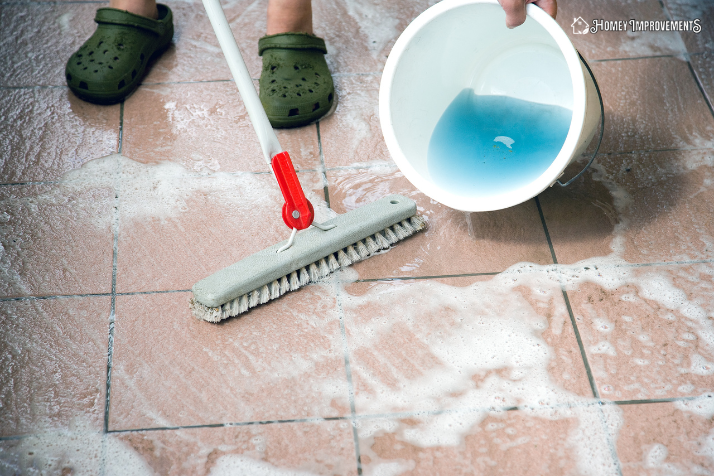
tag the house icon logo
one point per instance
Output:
(580, 27)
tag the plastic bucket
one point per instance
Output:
(458, 44)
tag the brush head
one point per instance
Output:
(267, 275)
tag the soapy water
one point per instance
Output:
(488, 145)
(496, 315)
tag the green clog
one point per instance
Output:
(110, 64)
(296, 86)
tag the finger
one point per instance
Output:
(548, 6)
(515, 12)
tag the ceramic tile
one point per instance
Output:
(47, 132)
(652, 104)
(280, 361)
(42, 40)
(454, 242)
(205, 128)
(646, 330)
(352, 136)
(692, 10)
(176, 229)
(360, 34)
(618, 44)
(54, 362)
(195, 54)
(455, 343)
(667, 438)
(573, 441)
(643, 207)
(56, 239)
(319, 448)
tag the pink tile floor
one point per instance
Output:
(572, 334)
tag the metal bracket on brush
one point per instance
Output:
(319, 226)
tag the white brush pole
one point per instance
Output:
(268, 140)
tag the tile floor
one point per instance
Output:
(572, 334)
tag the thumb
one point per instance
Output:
(515, 12)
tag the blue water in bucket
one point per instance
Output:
(486, 145)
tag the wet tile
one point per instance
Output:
(319, 448)
(618, 44)
(352, 136)
(457, 343)
(651, 104)
(43, 38)
(205, 128)
(315, 448)
(689, 10)
(280, 361)
(359, 35)
(643, 207)
(454, 242)
(177, 229)
(667, 438)
(704, 67)
(53, 356)
(56, 239)
(558, 442)
(47, 132)
(646, 330)
(195, 54)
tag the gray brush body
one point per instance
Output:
(257, 278)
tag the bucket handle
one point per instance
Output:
(602, 125)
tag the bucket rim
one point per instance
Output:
(513, 197)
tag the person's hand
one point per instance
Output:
(516, 10)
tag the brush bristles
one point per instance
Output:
(312, 273)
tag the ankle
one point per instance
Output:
(144, 8)
(294, 16)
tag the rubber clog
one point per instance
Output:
(296, 86)
(110, 64)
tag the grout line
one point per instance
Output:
(412, 278)
(545, 230)
(348, 373)
(369, 280)
(51, 182)
(697, 80)
(161, 83)
(36, 86)
(573, 322)
(322, 164)
(115, 253)
(647, 401)
(121, 128)
(347, 75)
(633, 58)
(140, 293)
(58, 296)
(642, 151)
(574, 404)
(232, 424)
(344, 167)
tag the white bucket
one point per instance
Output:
(458, 44)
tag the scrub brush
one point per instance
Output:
(315, 253)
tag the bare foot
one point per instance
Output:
(289, 16)
(145, 8)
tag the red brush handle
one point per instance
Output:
(297, 210)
